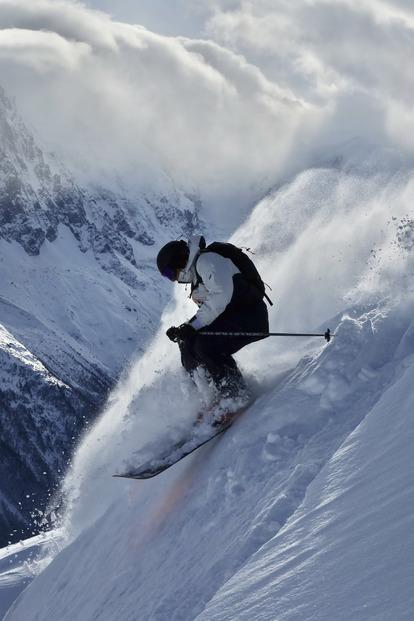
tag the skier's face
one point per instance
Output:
(171, 274)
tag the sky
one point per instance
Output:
(229, 97)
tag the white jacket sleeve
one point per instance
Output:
(217, 275)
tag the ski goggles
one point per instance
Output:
(169, 273)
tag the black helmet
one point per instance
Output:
(173, 256)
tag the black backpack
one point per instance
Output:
(245, 265)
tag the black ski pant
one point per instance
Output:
(214, 353)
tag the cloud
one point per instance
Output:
(42, 51)
(228, 114)
(116, 94)
(68, 19)
(322, 49)
(350, 60)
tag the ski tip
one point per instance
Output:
(126, 475)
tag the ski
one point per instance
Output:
(181, 449)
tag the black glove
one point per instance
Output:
(172, 334)
(185, 332)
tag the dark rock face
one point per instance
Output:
(40, 421)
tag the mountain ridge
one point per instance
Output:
(73, 258)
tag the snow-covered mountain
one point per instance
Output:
(303, 509)
(77, 302)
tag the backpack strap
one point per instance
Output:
(256, 286)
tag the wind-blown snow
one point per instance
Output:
(303, 509)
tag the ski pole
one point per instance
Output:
(327, 335)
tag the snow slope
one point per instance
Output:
(347, 552)
(18, 567)
(304, 508)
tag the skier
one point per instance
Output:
(228, 302)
